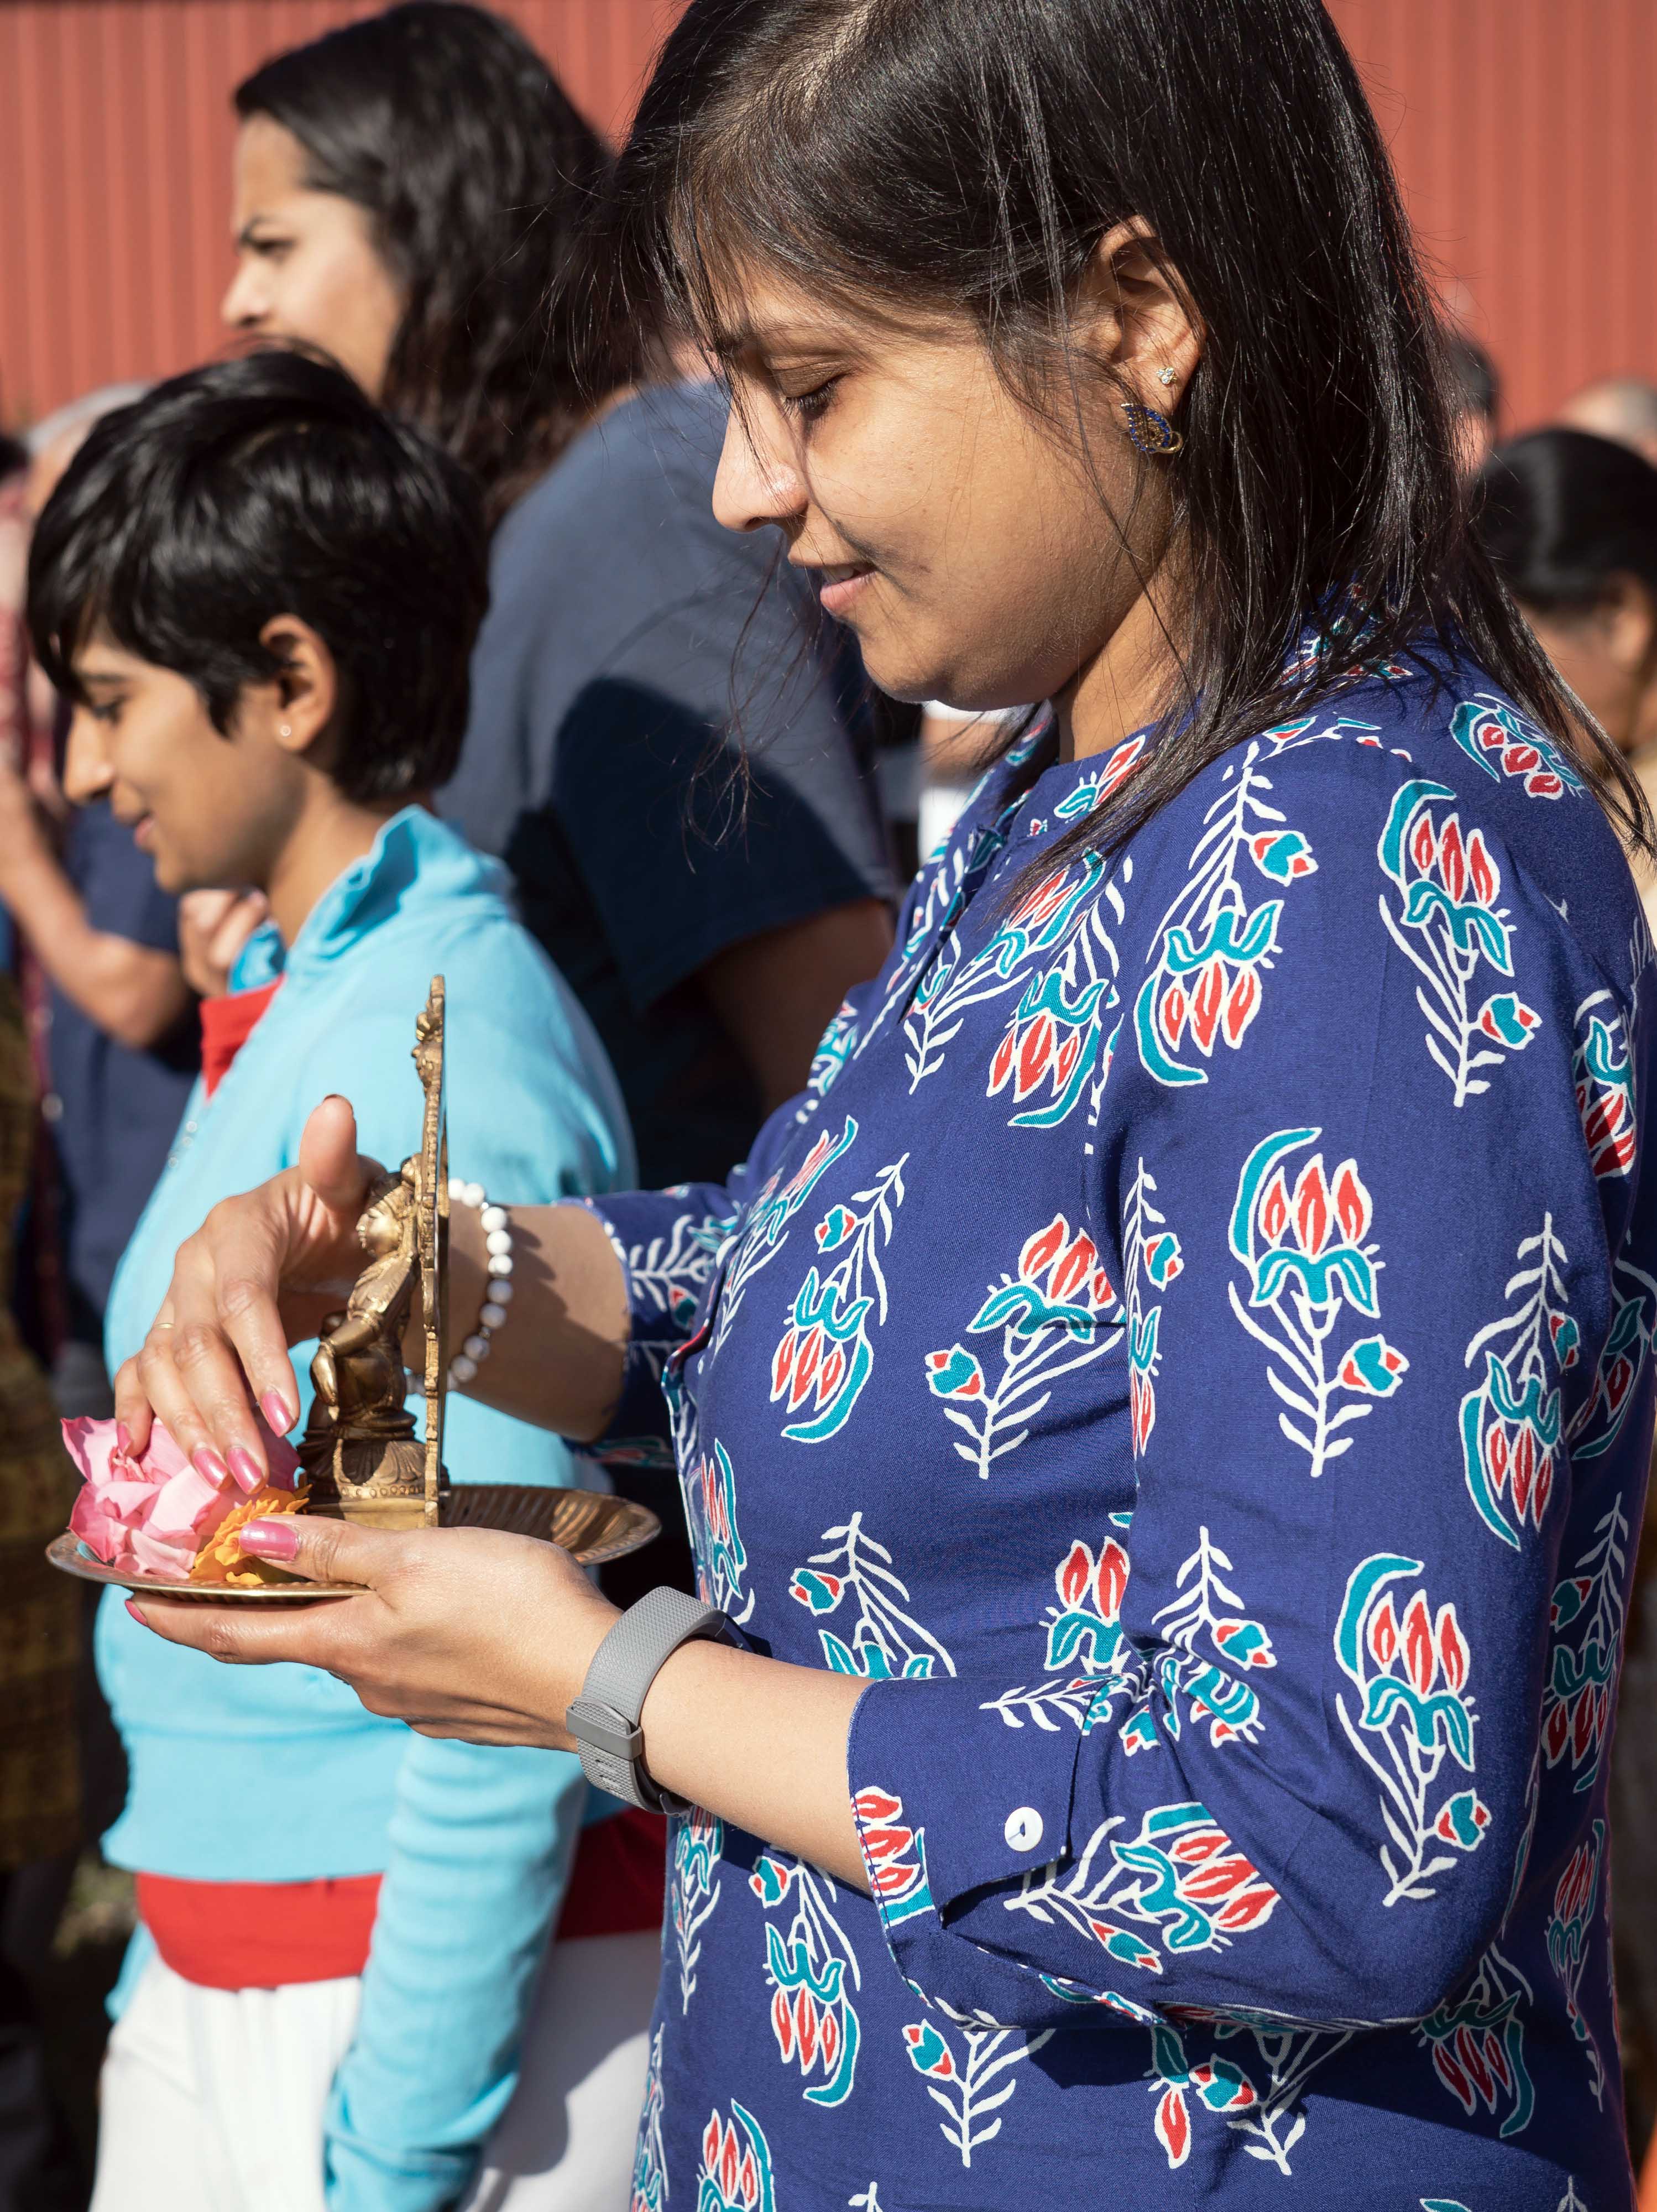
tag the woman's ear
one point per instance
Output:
(296, 708)
(1133, 315)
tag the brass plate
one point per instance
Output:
(590, 1526)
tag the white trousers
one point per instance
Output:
(212, 2101)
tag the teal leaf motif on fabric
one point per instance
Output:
(1410, 1666)
(1059, 1313)
(1212, 948)
(1446, 919)
(825, 1356)
(1511, 1422)
(1306, 1252)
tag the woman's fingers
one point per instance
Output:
(326, 1551)
(213, 925)
(259, 1273)
(218, 1337)
(244, 1636)
(328, 1636)
(330, 1165)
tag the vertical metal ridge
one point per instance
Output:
(1518, 127)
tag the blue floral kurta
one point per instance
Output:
(1189, 1350)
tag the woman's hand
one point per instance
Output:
(468, 1632)
(257, 1275)
(459, 1632)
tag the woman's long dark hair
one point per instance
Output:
(449, 128)
(974, 152)
(1561, 513)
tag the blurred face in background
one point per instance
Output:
(307, 265)
(1607, 653)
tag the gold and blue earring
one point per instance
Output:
(1150, 431)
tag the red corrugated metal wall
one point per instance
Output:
(1522, 129)
(115, 138)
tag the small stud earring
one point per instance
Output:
(284, 729)
(1165, 376)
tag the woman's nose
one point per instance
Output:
(87, 771)
(758, 482)
(244, 306)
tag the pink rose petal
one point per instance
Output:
(152, 1512)
(185, 1502)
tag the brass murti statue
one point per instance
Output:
(360, 1452)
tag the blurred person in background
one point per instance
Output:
(1476, 391)
(410, 192)
(1570, 520)
(115, 1017)
(1620, 407)
(40, 1820)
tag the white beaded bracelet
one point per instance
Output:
(497, 1242)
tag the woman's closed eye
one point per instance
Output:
(810, 406)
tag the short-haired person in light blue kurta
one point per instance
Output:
(375, 2094)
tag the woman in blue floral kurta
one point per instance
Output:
(1173, 1396)
(1189, 1352)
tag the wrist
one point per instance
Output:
(27, 864)
(575, 1657)
(607, 1720)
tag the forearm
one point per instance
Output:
(134, 992)
(480, 1845)
(557, 1361)
(762, 1745)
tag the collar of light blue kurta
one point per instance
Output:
(415, 859)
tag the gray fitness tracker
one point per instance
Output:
(604, 1718)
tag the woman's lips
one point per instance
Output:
(143, 833)
(839, 588)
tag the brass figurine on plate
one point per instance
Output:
(360, 1452)
(360, 1456)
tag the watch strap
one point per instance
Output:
(605, 1719)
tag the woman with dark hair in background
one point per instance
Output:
(1124, 1402)
(411, 192)
(1570, 520)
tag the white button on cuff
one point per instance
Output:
(1023, 1828)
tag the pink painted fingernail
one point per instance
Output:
(206, 1461)
(132, 1608)
(271, 1540)
(274, 1406)
(124, 1436)
(245, 1468)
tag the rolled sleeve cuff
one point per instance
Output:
(951, 1801)
(664, 1243)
